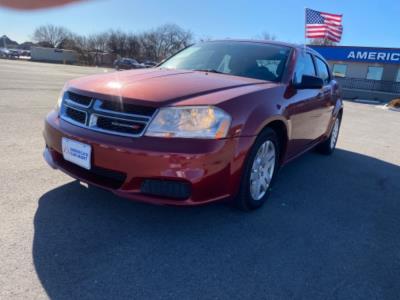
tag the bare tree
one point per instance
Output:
(172, 38)
(117, 42)
(80, 44)
(155, 44)
(268, 36)
(97, 44)
(50, 35)
(148, 45)
(132, 44)
(164, 41)
(322, 42)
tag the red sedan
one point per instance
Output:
(213, 122)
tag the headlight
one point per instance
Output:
(204, 122)
(60, 97)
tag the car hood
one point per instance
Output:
(159, 87)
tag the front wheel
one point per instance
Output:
(259, 172)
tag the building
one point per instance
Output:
(53, 55)
(364, 72)
(102, 58)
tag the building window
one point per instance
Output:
(375, 73)
(339, 70)
(398, 76)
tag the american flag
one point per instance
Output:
(323, 25)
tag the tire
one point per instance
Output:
(328, 147)
(247, 198)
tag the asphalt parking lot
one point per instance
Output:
(330, 231)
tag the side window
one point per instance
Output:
(323, 70)
(304, 66)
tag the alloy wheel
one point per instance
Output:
(335, 133)
(262, 170)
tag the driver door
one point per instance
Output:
(304, 108)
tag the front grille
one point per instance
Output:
(128, 108)
(120, 125)
(166, 188)
(79, 99)
(106, 116)
(75, 115)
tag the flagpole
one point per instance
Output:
(305, 27)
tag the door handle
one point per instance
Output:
(323, 94)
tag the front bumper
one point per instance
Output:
(211, 168)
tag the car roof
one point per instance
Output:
(300, 47)
(269, 42)
(257, 42)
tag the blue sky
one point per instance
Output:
(366, 23)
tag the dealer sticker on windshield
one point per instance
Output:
(76, 152)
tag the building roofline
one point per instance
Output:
(49, 48)
(363, 47)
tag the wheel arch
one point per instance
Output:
(281, 130)
(340, 112)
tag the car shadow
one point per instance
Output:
(330, 230)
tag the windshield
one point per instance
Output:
(247, 59)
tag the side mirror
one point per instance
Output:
(310, 82)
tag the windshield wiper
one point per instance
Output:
(209, 71)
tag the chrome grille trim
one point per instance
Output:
(140, 118)
(94, 110)
(93, 125)
(72, 102)
(76, 99)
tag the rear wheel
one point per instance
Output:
(259, 172)
(327, 147)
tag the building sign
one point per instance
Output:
(359, 54)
